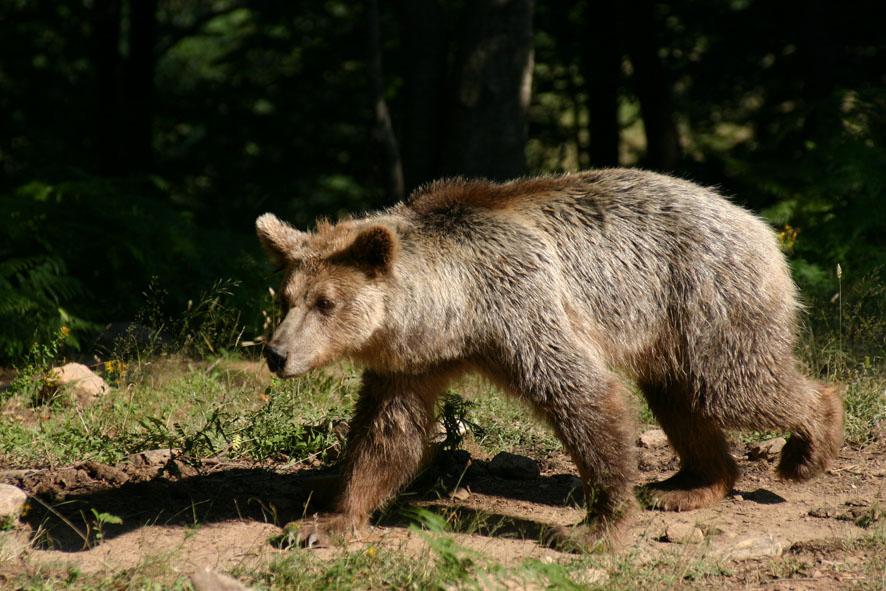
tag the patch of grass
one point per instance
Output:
(202, 409)
(507, 424)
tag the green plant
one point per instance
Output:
(454, 414)
(95, 526)
(31, 376)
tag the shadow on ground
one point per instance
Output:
(71, 515)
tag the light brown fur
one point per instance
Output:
(548, 287)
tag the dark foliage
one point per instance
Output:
(141, 138)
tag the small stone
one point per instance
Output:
(12, 502)
(653, 439)
(461, 429)
(86, 386)
(753, 547)
(508, 465)
(684, 533)
(738, 498)
(767, 450)
(209, 580)
(460, 494)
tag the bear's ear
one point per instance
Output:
(283, 243)
(373, 250)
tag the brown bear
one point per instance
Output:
(548, 287)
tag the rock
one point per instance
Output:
(12, 503)
(753, 547)
(439, 436)
(79, 380)
(209, 580)
(460, 494)
(652, 439)
(684, 533)
(508, 465)
(767, 450)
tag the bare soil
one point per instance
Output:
(222, 515)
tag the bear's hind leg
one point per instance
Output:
(707, 471)
(816, 435)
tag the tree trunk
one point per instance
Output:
(424, 54)
(140, 85)
(602, 68)
(653, 90)
(488, 123)
(383, 129)
(107, 68)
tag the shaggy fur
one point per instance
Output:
(548, 287)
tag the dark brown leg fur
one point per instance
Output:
(707, 471)
(386, 445)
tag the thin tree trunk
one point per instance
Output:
(107, 68)
(602, 68)
(653, 90)
(140, 84)
(424, 52)
(488, 125)
(383, 128)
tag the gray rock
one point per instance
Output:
(209, 580)
(12, 502)
(684, 533)
(652, 439)
(767, 450)
(508, 465)
(753, 547)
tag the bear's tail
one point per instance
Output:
(811, 448)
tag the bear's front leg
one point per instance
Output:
(386, 445)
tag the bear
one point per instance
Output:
(558, 289)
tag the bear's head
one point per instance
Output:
(333, 291)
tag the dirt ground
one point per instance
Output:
(773, 534)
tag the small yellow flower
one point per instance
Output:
(371, 552)
(788, 237)
(65, 331)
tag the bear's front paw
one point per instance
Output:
(319, 531)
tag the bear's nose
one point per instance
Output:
(276, 359)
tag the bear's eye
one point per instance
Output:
(324, 305)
